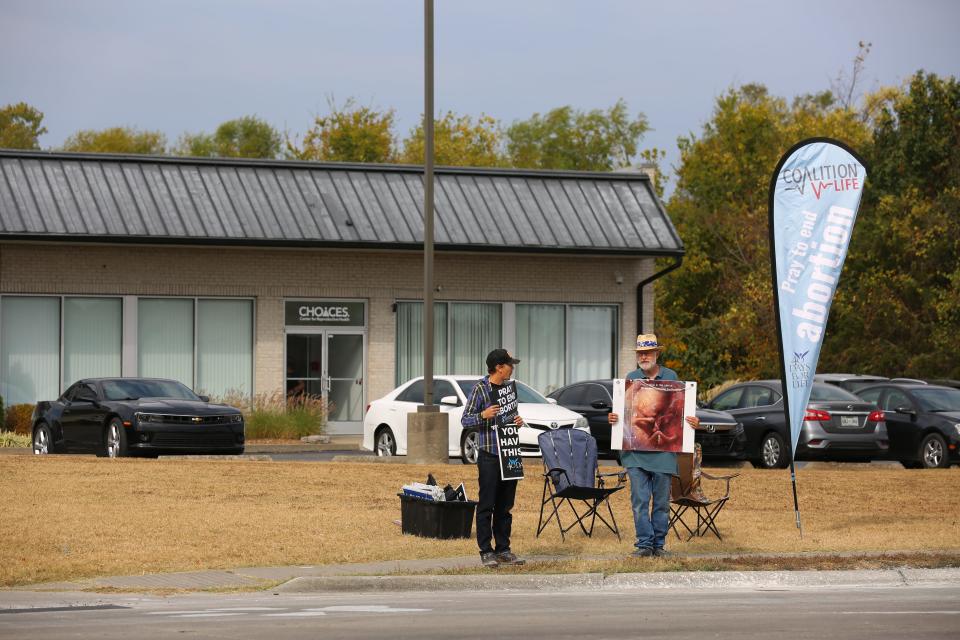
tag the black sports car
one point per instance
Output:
(720, 435)
(923, 422)
(119, 417)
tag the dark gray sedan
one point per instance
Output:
(837, 425)
(923, 421)
(119, 417)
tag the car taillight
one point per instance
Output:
(816, 415)
(876, 416)
(367, 410)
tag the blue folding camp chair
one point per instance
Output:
(570, 462)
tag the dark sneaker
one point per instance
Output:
(660, 552)
(509, 558)
(643, 552)
(489, 560)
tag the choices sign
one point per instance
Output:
(310, 313)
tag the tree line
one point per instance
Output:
(563, 138)
(897, 307)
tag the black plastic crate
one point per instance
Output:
(431, 519)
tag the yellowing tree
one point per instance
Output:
(348, 134)
(246, 137)
(566, 138)
(459, 141)
(117, 140)
(20, 126)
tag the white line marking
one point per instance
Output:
(899, 613)
(208, 615)
(248, 609)
(372, 608)
(295, 614)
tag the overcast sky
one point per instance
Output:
(188, 65)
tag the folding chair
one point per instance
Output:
(571, 475)
(686, 494)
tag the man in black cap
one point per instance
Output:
(496, 495)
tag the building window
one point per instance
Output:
(92, 338)
(475, 330)
(541, 339)
(29, 349)
(165, 339)
(464, 332)
(558, 343)
(591, 343)
(225, 346)
(410, 340)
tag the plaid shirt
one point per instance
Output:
(480, 399)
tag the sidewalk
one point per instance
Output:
(383, 576)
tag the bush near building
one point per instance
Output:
(18, 419)
(8, 439)
(275, 416)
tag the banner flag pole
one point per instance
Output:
(815, 193)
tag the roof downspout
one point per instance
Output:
(678, 260)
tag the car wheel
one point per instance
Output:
(42, 440)
(384, 443)
(470, 447)
(115, 439)
(933, 452)
(773, 451)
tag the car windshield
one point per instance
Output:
(827, 392)
(856, 385)
(938, 399)
(135, 389)
(524, 393)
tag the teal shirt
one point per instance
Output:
(652, 461)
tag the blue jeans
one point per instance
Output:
(651, 529)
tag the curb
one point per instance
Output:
(596, 581)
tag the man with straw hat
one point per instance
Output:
(650, 471)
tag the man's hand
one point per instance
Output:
(612, 418)
(518, 421)
(693, 421)
(490, 412)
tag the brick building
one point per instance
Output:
(260, 276)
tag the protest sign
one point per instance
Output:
(508, 433)
(652, 415)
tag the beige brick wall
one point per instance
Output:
(270, 275)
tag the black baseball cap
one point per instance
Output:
(499, 356)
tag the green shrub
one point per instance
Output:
(275, 416)
(8, 439)
(17, 419)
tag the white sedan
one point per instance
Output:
(385, 423)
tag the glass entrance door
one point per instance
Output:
(304, 364)
(329, 364)
(345, 381)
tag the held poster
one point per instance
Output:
(652, 415)
(508, 433)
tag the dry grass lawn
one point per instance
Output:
(73, 517)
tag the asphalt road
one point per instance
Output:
(816, 613)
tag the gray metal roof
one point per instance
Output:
(163, 200)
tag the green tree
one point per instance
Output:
(897, 310)
(348, 134)
(20, 126)
(566, 138)
(246, 137)
(117, 140)
(716, 313)
(459, 141)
